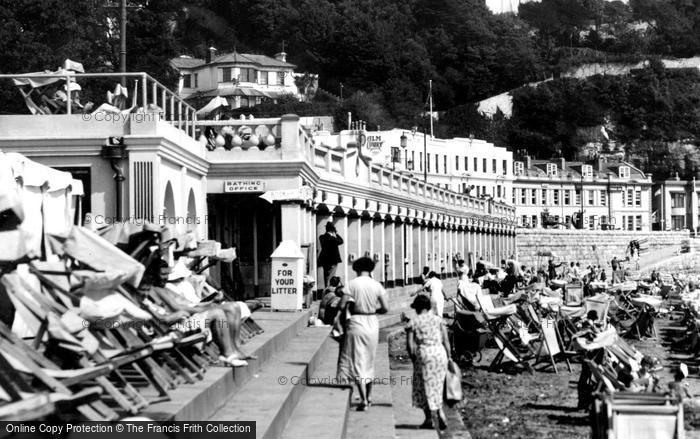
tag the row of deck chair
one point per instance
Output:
(636, 415)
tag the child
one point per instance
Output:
(678, 388)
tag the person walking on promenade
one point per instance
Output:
(364, 299)
(329, 258)
(429, 347)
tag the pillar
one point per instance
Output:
(417, 264)
(292, 222)
(399, 257)
(378, 248)
(344, 268)
(389, 255)
(352, 243)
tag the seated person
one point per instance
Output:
(646, 380)
(328, 307)
(223, 319)
(678, 389)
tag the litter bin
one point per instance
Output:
(287, 277)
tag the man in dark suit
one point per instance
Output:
(329, 257)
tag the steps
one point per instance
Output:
(272, 395)
(322, 412)
(198, 401)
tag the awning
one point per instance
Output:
(69, 66)
(235, 91)
(215, 103)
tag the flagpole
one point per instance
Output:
(430, 97)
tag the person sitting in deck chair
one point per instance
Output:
(202, 313)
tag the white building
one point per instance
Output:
(606, 195)
(463, 165)
(243, 79)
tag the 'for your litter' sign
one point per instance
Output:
(286, 286)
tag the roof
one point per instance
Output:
(183, 62)
(572, 170)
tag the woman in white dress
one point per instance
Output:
(365, 299)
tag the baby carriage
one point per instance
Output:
(468, 332)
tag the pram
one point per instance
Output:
(468, 333)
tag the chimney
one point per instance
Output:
(281, 56)
(528, 162)
(211, 52)
(599, 163)
(562, 164)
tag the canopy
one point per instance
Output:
(216, 103)
(69, 66)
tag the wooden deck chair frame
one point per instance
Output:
(550, 339)
(85, 400)
(117, 387)
(165, 372)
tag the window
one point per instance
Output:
(568, 219)
(476, 162)
(630, 222)
(630, 197)
(567, 197)
(498, 191)
(544, 196)
(591, 222)
(677, 200)
(603, 198)
(466, 163)
(638, 198)
(556, 197)
(591, 198)
(587, 171)
(624, 172)
(437, 164)
(551, 169)
(505, 167)
(518, 168)
(678, 222)
(457, 163)
(493, 166)
(523, 196)
(225, 74)
(622, 226)
(483, 190)
(248, 75)
(638, 222)
(578, 197)
(483, 166)
(464, 188)
(411, 164)
(514, 197)
(262, 80)
(533, 196)
(187, 81)
(280, 78)
(427, 164)
(534, 220)
(525, 221)
(444, 163)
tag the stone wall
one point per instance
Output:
(593, 247)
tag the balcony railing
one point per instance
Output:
(147, 95)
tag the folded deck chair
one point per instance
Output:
(31, 105)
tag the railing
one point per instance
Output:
(149, 96)
(240, 134)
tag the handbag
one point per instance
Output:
(453, 382)
(338, 327)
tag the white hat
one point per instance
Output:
(683, 368)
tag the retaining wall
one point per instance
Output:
(593, 246)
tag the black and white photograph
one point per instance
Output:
(350, 219)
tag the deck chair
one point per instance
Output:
(600, 304)
(166, 371)
(552, 344)
(26, 403)
(35, 306)
(643, 326)
(31, 105)
(573, 295)
(637, 416)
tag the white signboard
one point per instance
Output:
(287, 277)
(303, 193)
(244, 185)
